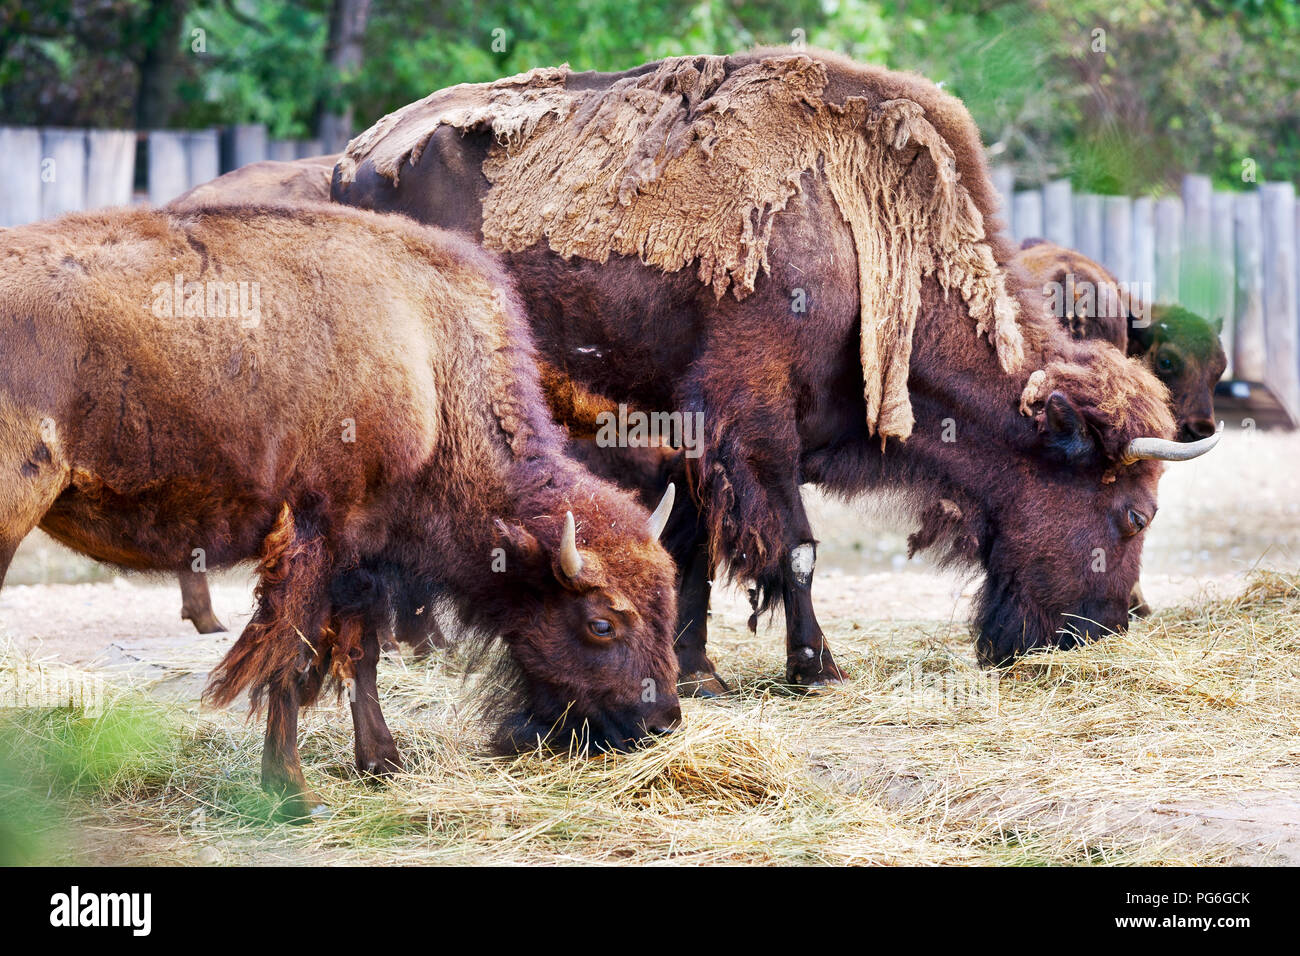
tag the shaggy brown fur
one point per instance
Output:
(1182, 349)
(718, 154)
(1035, 477)
(379, 431)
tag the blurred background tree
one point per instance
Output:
(1117, 95)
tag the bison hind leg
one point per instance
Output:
(196, 603)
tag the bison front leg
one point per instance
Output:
(697, 675)
(196, 603)
(282, 774)
(375, 749)
(808, 661)
(749, 480)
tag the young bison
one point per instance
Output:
(377, 428)
(1181, 348)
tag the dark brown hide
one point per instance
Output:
(1036, 477)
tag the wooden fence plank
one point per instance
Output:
(110, 167)
(1087, 225)
(1117, 236)
(20, 171)
(1058, 213)
(1196, 284)
(1004, 184)
(169, 167)
(1280, 325)
(282, 150)
(63, 171)
(1249, 346)
(202, 156)
(1027, 215)
(242, 144)
(1144, 247)
(1169, 243)
(1224, 270)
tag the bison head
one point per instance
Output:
(1063, 522)
(590, 634)
(1184, 352)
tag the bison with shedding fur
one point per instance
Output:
(376, 431)
(803, 249)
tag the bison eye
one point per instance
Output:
(1137, 521)
(600, 627)
(1167, 363)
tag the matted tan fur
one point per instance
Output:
(689, 164)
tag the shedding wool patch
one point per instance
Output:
(687, 164)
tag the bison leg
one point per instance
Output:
(196, 603)
(749, 479)
(698, 677)
(376, 752)
(808, 660)
(282, 774)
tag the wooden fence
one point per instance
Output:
(1224, 255)
(1228, 256)
(47, 172)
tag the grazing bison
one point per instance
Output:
(377, 430)
(803, 250)
(1181, 348)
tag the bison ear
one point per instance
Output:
(1217, 325)
(1065, 430)
(519, 544)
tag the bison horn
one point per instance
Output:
(659, 520)
(1161, 449)
(570, 559)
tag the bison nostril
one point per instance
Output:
(1195, 429)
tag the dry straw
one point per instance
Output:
(1087, 756)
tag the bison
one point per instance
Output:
(850, 317)
(1181, 348)
(379, 429)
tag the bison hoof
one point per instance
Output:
(384, 761)
(703, 683)
(813, 674)
(302, 806)
(205, 622)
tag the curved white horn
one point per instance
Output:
(1161, 449)
(659, 520)
(570, 559)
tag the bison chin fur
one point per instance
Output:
(1009, 622)
(522, 714)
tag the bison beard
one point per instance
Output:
(135, 437)
(876, 208)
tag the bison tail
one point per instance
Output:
(284, 644)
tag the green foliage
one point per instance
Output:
(47, 756)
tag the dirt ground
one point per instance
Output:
(1220, 517)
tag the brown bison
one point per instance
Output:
(370, 432)
(1181, 348)
(803, 250)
